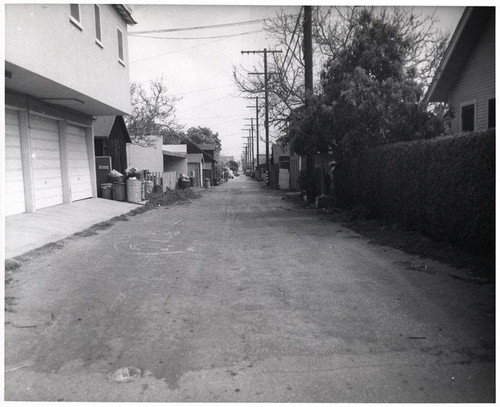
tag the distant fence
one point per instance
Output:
(442, 187)
(169, 180)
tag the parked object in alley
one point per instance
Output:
(207, 183)
(184, 182)
(115, 176)
(119, 192)
(133, 190)
(107, 190)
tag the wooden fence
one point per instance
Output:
(169, 180)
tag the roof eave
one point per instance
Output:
(125, 14)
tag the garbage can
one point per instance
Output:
(207, 183)
(107, 190)
(134, 190)
(118, 191)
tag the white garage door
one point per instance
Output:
(14, 185)
(46, 162)
(79, 171)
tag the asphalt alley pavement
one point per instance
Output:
(240, 296)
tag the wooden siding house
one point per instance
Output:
(110, 139)
(465, 78)
(210, 161)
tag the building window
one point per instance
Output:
(468, 117)
(74, 10)
(120, 47)
(491, 113)
(97, 12)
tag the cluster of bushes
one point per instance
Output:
(442, 187)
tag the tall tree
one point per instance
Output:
(333, 31)
(153, 112)
(370, 95)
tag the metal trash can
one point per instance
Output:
(118, 191)
(207, 183)
(134, 190)
(107, 190)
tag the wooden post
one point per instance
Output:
(63, 148)
(89, 136)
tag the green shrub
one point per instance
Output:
(443, 187)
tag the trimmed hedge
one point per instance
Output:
(442, 187)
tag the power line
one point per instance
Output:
(289, 46)
(197, 38)
(202, 90)
(174, 52)
(198, 27)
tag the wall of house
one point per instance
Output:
(177, 164)
(146, 158)
(477, 81)
(41, 39)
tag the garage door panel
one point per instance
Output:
(79, 170)
(43, 124)
(46, 162)
(14, 181)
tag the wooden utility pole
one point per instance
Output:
(257, 139)
(308, 82)
(266, 101)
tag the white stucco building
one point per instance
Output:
(64, 65)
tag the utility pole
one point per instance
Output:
(266, 95)
(250, 131)
(308, 73)
(256, 126)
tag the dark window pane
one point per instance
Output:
(75, 11)
(491, 113)
(97, 22)
(120, 45)
(468, 118)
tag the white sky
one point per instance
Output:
(200, 70)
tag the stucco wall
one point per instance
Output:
(41, 39)
(146, 158)
(177, 164)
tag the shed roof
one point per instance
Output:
(174, 154)
(104, 124)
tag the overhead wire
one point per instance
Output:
(164, 30)
(198, 38)
(289, 46)
(175, 52)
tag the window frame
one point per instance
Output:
(97, 21)
(121, 46)
(492, 98)
(467, 103)
(76, 21)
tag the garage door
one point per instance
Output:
(79, 171)
(46, 162)
(14, 185)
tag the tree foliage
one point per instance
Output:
(153, 112)
(335, 29)
(203, 135)
(370, 95)
(197, 135)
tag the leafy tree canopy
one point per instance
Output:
(201, 135)
(369, 95)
